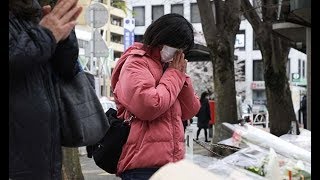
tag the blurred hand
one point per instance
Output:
(179, 62)
(46, 10)
(62, 19)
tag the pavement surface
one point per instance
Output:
(92, 172)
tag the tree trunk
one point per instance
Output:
(274, 50)
(71, 168)
(224, 83)
(220, 38)
(279, 101)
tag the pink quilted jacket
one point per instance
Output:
(160, 100)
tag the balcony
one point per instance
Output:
(116, 29)
(300, 12)
(117, 46)
(295, 16)
(118, 8)
(294, 32)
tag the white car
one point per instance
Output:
(106, 104)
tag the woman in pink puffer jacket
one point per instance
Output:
(150, 82)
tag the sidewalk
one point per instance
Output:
(92, 172)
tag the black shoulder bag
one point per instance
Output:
(83, 121)
(109, 149)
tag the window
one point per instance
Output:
(101, 91)
(117, 54)
(82, 43)
(157, 11)
(240, 70)
(177, 8)
(139, 15)
(101, 32)
(240, 41)
(303, 69)
(115, 20)
(299, 67)
(259, 97)
(116, 38)
(195, 14)
(138, 38)
(288, 69)
(258, 70)
(254, 42)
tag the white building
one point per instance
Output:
(252, 85)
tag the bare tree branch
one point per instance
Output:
(269, 12)
(251, 16)
(207, 20)
(234, 6)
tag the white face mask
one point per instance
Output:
(167, 53)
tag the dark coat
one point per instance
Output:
(35, 60)
(204, 114)
(303, 104)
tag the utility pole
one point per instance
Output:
(96, 17)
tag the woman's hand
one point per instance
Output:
(62, 19)
(179, 62)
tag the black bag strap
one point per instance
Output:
(113, 112)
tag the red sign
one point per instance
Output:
(258, 85)
(212, 120)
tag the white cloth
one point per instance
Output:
(185, 170)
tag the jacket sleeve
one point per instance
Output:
(29, 47)
(189, 101)
(139, 93)
(208, 109)
(65, 58)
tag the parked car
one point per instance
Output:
(106, 104)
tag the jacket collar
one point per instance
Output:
(152, 52)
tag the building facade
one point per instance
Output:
(112, 34)
(248, 65)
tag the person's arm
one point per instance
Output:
(208, 109)
(29, 47)
(189, 101)
(65, 57)
(138, 92)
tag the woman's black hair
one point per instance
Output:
(172, 30)
(203, 96)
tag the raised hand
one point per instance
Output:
(179, 62)
(62, 19)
